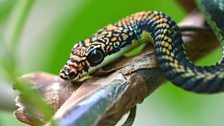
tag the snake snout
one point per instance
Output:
(67, 73)
(63, 74)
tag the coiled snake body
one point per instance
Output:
(114, 40)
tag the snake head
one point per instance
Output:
(83, 60)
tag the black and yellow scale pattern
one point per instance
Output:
(114, 40)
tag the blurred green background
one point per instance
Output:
(51, 28)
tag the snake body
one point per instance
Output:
(114, 40)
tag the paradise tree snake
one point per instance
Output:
(114, 40)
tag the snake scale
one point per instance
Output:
(112, 41)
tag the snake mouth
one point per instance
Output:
(63, 74)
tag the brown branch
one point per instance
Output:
(187, 5)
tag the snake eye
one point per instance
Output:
(95, 57)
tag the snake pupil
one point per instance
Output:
(95, 57)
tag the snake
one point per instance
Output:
(114, 40)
